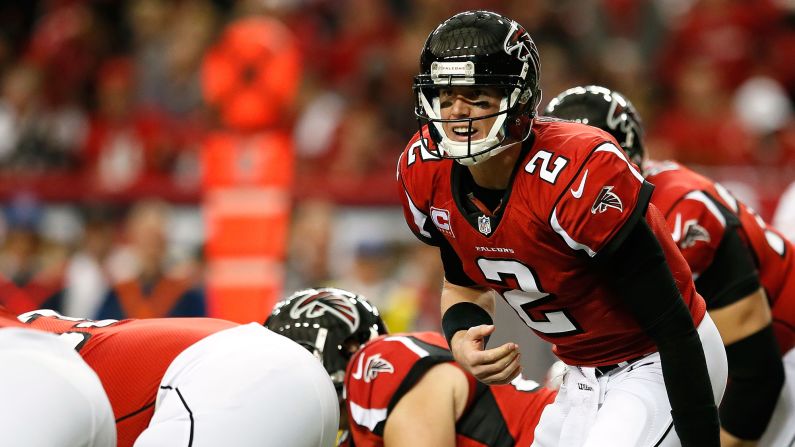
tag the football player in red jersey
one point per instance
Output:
(50, 397)
(553, 218)
(405, 389)
(738, 263)
(202, 381)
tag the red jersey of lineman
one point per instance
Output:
(572, 194)
(688, 201)
(388, 367)
(8, 319)
(130, 357)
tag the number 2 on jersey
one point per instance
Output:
(544, 157)
(528, 296)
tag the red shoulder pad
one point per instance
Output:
(418, 166)
(697, 226)
(601, 198)
(382, 371)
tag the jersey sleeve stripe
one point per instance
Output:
(408, 343)
(699, 196)
(367, 417)
(609, 147)
(727, 197)
(553, 220)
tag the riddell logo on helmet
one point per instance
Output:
(518, 41)
(317, 305)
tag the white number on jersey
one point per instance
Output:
(422, 146)
(547, 174)
(527, 296)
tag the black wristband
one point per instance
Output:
(462, 316)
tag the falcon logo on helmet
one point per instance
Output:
(606, 109)
(518, 41)
(317, 305)
(605, 200)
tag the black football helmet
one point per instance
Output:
(606, 109)
(331, 323)
(478, 48)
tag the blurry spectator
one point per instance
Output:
(372, 271)
(700, 126)
(784, 219)
(762, 105)
(87, 279)
(310, 236)
(727, 35)
(413, 305)
(68, 42)
(145, 284)
(125, 142)
(19, 108)
(35, 136)
(31, 271)
(171, 39)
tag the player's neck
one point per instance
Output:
(495, 172)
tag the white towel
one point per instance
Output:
(582, 396)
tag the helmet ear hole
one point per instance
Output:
(518, 128)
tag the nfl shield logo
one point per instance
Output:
(484, 225)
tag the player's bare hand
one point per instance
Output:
(494, 366)
(729, 440)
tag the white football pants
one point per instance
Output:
(781, 429)
(244, 386)
(628, 406)
(50, 396)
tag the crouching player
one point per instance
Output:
(202, 381)
(404, 389)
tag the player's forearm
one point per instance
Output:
(644, 281)
(453, 294)
(756, 376)
(687, 382)
(463, 308)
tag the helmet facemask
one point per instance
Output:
(502, 134)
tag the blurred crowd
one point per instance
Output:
(102, 119)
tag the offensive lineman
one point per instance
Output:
(724, 242)
(50, 397)
(202, 381)
(405, 389)
(589, 266)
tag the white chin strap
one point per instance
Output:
(458, 150)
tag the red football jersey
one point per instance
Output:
(386, 368)
(572, 193)
(129, 356)
(688, 201)
(8, 319)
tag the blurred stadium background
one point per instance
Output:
(188, 157)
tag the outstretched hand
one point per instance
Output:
(496, 366)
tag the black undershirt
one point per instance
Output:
(492, 198)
